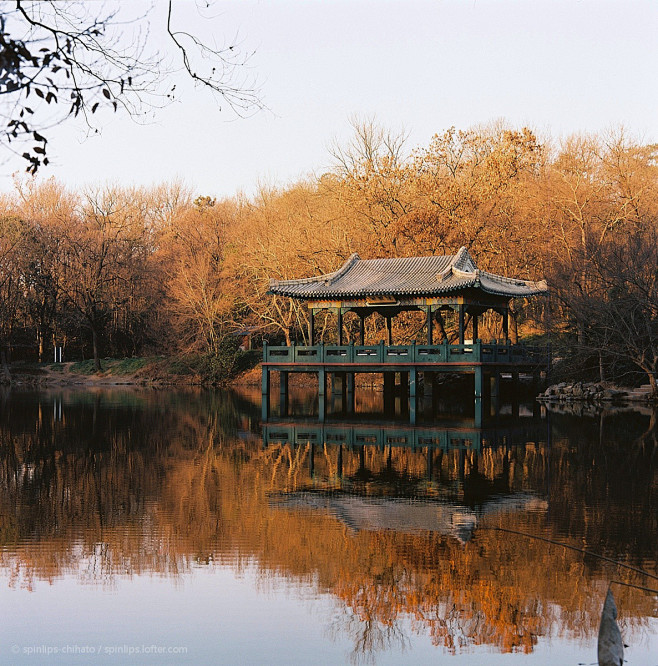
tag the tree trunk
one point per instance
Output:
(601, 368)
(97, 360)
(653, 384)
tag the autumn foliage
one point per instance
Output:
(127, 271)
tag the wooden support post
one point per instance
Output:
(362, 330)
(389, 329)
(461, 324)
(413, 400)
(265, 398)
(478, 381)
(322, 381)
(475, 327)
(283, 393)
(322, 394)
(340, 326)
(506, 324)
(478, 412)
(311, 327)
(430, 336)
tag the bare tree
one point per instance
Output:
(60, 60)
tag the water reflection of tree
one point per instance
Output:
(162, 485)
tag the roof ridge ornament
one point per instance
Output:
(330, 278)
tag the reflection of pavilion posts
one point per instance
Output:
(428, 285)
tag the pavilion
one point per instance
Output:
(432, 285)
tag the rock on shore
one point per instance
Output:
(595, 392)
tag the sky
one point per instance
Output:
(415, 66)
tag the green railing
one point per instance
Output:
(381, 354)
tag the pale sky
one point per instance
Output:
(422, 66)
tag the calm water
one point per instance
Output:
(161, 527)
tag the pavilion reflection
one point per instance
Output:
(441, 478)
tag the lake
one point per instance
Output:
(167, 527)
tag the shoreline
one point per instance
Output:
(157, 373)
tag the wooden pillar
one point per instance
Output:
(340, 326)
(506, 324)
(283, 393)
(413, 400)
(475, 327)
(478, 381)
(322, 394)
(461, 324)
(430, 336)
(362, 330)
(389, 329)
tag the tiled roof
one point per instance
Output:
(415, 276)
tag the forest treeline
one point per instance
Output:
(124, 271)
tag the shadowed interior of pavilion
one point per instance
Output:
(435, 286)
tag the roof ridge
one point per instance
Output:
(327, 278)
(330, 278)
(518, 282)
